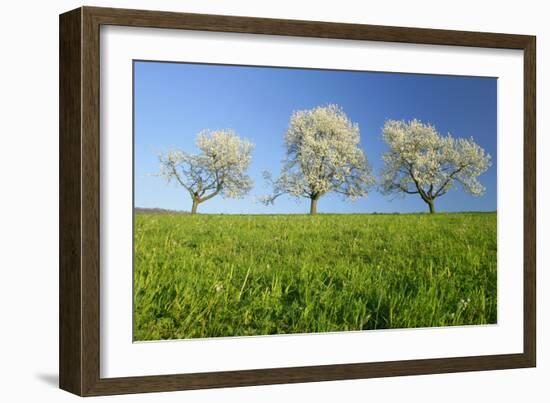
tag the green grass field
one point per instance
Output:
(216, 275)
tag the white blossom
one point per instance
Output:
(219, 168)
(421, 161)
(323, 155)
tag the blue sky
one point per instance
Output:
(175, 101)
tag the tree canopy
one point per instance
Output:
(219, 168)
(323, 155)
(421, 161)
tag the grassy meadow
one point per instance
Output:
(238, 275)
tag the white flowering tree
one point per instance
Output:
(219, 168)
(421, 161)
(322, 156)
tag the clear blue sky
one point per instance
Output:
(174, 101)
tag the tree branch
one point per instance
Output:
(208, 197)
(441, 191)
(421, 191)
(176, 175)
(406, 190)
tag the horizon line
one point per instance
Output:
(168, 211)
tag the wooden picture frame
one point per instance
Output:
(79, 348)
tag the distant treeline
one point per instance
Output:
(143, 210)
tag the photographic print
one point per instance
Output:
(251, 201)
(272, 200)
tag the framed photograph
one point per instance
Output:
(248, 201)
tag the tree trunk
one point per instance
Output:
(195, 206)
(313, 206)
(431, 205)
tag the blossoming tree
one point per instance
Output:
(219, 168)
(421, 161)
(322, 156)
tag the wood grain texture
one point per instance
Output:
(70, 274)
(315, 29)
(90, 202)
(80, 200)
(530, 202)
